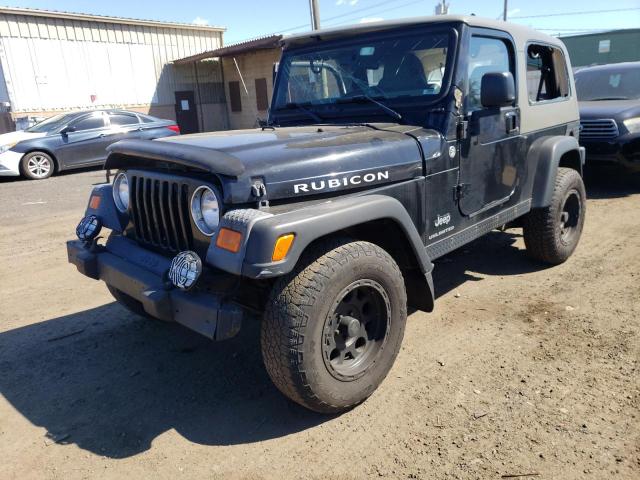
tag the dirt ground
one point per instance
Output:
(521, 369)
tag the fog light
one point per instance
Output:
(88, 228)
(185, 269)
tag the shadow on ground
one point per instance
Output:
(119, 381)
(610, 181)
(111, 382)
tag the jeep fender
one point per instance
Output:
(545, 157)
(317, 221)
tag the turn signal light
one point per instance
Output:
(229, 240)
(282, 247)
(94, 203)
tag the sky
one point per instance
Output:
(246, 19)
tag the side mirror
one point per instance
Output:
(67, 129)
(497, 89)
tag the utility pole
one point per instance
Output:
(504, 12)
(442, 8)
(315, 14)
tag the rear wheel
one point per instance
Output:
(551, 234)
(37, 165)
(333, 327)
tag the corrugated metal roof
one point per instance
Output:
(261, 43)
(105, 19)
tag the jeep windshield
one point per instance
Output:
(364, 76)
(610, 84)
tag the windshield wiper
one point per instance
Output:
(359, 98)
(293, 105)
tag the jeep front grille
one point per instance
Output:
(598, 129)
(160, 210)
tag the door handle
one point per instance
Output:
(102, 135)
(511, 122)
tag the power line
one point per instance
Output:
(329, 19)
(380, 11)
(577, 13)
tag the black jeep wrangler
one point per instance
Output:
(387, 146)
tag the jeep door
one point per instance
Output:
(492, 149)
(83, 141)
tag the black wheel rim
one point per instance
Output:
(356, 329)
(570, 217)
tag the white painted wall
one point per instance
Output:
(57, 64)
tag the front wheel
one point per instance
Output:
(37, 165)
(551, 234)
(333, 327)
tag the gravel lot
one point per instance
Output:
(521, 369)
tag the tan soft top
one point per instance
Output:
(520, 33)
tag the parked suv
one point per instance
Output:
(609, 100)
(387, 146)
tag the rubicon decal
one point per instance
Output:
(340, 182)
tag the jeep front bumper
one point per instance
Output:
(141, 274)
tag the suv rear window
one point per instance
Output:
(547, 76)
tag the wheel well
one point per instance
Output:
(389, 236)
(56, 165)
(571, 159)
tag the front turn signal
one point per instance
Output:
(282, 247)
(229, 240)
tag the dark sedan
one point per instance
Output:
(609, 97)
(74, 140)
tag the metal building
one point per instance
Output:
(614, 46)
(56, 61)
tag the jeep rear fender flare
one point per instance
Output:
(544, 157)
(311, 223)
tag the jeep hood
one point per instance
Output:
(290, 162)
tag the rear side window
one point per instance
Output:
(90, 122)
(122, 119)
(547, 75)
(487, 55)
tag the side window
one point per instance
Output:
(87, 123)
(547, 76)
(122, 119)
(487, 55)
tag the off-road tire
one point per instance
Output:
(33, 163)
(543, 227)
(296, 316)
(129, 303)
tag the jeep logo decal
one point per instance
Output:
(355, 180)
(442, 220)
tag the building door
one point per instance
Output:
(186, 113)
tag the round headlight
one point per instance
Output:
(121, 192)
(205, 210)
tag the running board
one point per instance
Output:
(446, 245)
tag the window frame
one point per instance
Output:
(449, 28)
(75, 121)
(126, 114)
(533, 103)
